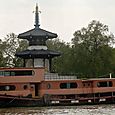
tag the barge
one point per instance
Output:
(34, 84)
(35, 87)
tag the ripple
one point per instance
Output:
(61, 110)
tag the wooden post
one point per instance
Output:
(33, 62)
(24, 63)
(50, 64)
(44, 62)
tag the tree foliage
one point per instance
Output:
(8, 47)
(91, 53)
(61, 64)
(92, 47)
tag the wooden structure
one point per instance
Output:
(37, 54)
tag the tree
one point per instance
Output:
(61, 64)
(92, 48)
(8, 47)
(22, 45)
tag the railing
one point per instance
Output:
(55, 76)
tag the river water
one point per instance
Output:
(61, 110)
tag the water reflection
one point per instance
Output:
(61, 110)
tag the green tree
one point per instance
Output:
(92, 48)
(61, 64)
(22, 45)
(8, 47)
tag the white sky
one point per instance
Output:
(59, 16)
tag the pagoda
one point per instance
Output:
(38, 54)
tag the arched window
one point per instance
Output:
(73, 85)
(63, 85)
(104, 84)
(7, 87)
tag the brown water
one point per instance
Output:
(61, 110)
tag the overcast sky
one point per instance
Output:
(63, 17)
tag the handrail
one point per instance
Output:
(55, 76)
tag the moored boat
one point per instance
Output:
(36, 85)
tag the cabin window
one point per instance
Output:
(17, 73)
(7, 88)
(12, 73)
(1, 73)
(63, 85)
(86, 84)
(7, 73)
(25, 87)
(73, 85)
(48, 86)
(104, 84)
(22, 73)
(68, 85)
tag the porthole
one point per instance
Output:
(88, 84)
(7, 88)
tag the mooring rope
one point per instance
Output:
(9, 102)
(106, 75)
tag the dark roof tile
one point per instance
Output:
(37, 54)
(38, 33)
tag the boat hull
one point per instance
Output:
(8, 101)
(11, 101)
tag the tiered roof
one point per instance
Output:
(37, 36)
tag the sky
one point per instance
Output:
(63, 17)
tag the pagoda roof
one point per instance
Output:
(37, 54)
(37, 33)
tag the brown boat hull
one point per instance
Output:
(8, 101)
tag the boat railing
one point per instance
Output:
(55, 76)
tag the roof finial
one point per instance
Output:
(37, 17)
